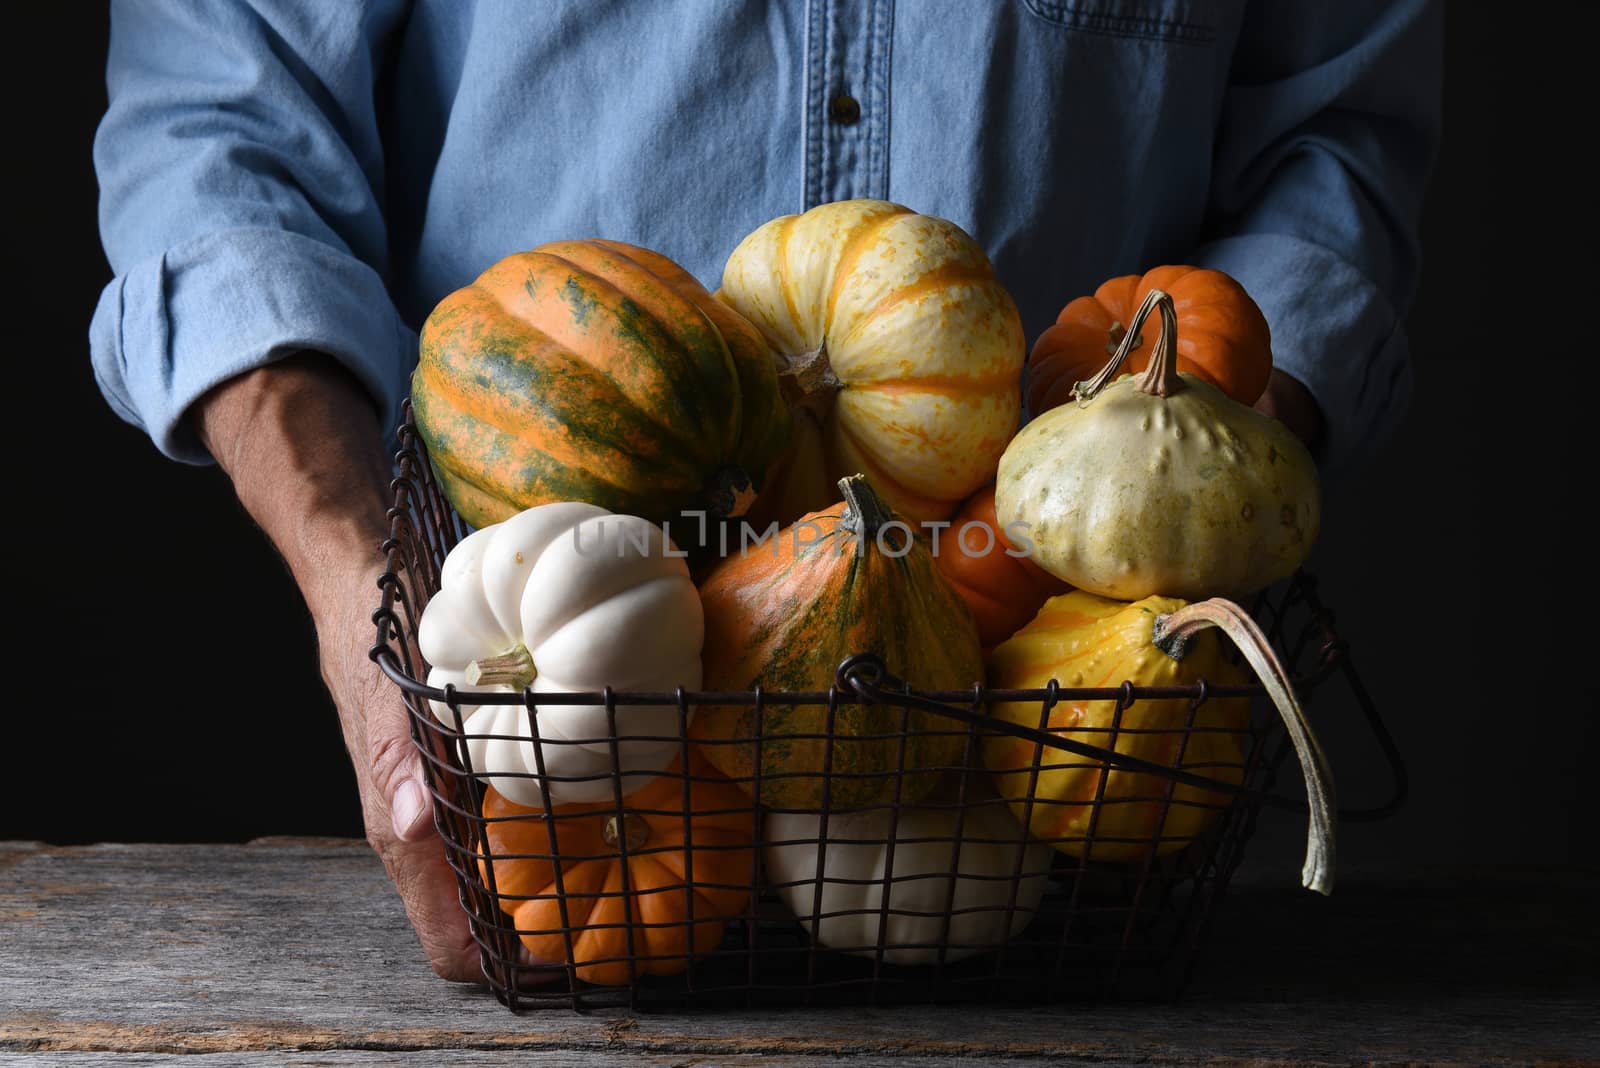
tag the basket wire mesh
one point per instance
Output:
(709, 924)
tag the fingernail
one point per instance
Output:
(406, 806)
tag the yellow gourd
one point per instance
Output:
(1090, 810)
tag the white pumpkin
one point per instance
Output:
(854, 874)
(564, 597)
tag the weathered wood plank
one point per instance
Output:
(472, 1059)
(301, 945)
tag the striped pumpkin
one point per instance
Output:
(785, 615)
(600, 372)
(896, 340)
(1081, 640)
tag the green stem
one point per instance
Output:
(511, 669)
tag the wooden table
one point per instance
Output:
(297, 951)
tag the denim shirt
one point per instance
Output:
(283, 175)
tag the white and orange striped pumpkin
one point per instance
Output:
(898, 349)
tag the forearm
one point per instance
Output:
(302, 443)
(1323, 149)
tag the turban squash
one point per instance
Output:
(954, 884)
(561, 598)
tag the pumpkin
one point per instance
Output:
(668, 884)
(1160, 483)
(1097, 812)
(895, 341)
(563, 598)
(595, 371)
(993, 574)
(902, 898)
(846, 580)
(1223, 338)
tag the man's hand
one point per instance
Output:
(1291, 403)
(303, 446)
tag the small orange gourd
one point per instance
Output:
(1003, 590)
(667, 925)
(1223, 338)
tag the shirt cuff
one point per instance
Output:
(1333, 330)
(175, 325)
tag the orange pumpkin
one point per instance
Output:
(1003, 591)
(667, 925)
(1222, 336)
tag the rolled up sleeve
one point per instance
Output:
(241, 175)
(1328, 137)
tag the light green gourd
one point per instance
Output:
(1160, 484)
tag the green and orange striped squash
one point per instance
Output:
(595, 371)
(783, 615)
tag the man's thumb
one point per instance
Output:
(397, 775)
(407, 807)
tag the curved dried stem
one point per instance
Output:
(1172, 634)
(1160, 378)
(1085, 392)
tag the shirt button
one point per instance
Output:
(844, 109)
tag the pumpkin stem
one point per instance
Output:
(1085, 392)
(1172, 634)
(1114, 336)
(865, 513)
(512, 669)
(807, 380)
(729, 493)
(629, 827)
(1161, 379)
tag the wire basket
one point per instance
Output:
(686, 893)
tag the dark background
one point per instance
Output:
(164, 677)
